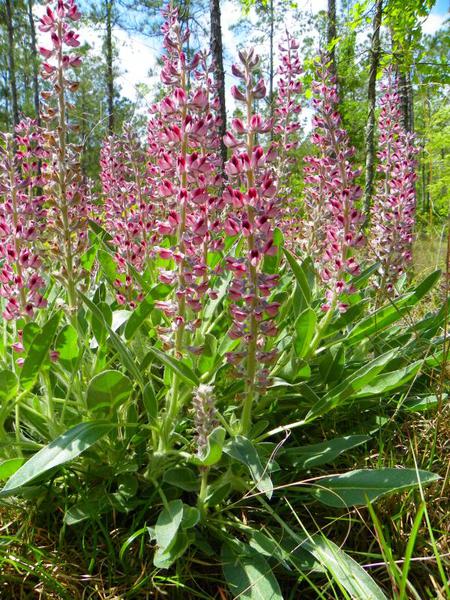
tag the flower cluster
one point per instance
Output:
(254, 208)
(67, 209)
(333, 226)
(128, 209)
(21, 221)
(393, 211)
(205, 415)
(286, 129)
(183, 147)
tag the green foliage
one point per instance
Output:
(111, 365)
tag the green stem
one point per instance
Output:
(250, 384)
(173, 401)
(201, 503)
(322, 328)
(62, 179)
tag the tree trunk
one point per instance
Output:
(109, 65)
(11, 64)
(331, 34)
(35, 62)
(271, 35)
(217, 55)
(371, 97)
(410, 102)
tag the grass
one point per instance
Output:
(403, 540)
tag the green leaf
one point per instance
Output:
(87, 259)
(191, 516)
(108, 265)
(10, 466)
(366, 485)
(314, 455)
(342, 568)
(164, 559)
(116, 341)
(214, 448)
(350, 386)
(272, 263)
(305, 327)
(183, 478)
(139, 315)
(423, 404)
(390, 381)
(176, 366)
(387, 315)
(91, 506)
(283, 552)
(8, 386)
(108, 389)
(150, 402)
(98, 325)
(67, 346)
(30, 331)
(332, 363)
(303, 287)
(38, 353)
(248, 574)
(168, 523)
(63, 449)
(242, 450)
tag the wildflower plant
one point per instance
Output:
(22, 217)
(393, 210)
(286, 131)
(67, 211)
(191, 411)
(128, 211)
(331, 195)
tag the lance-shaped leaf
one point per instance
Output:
(62, 450)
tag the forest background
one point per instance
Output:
(119, 77)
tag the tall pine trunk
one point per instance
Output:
(35, 59)
(271, 60)
(371, 97)
(11, 62)
(331, 34)
(217, 55)
(109, 65)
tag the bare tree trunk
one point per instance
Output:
(109, 65)
(410, 102)
(371, 97)
(35, 62)
(217, 54)
(11, 63)
(271, 35)
(331, 34)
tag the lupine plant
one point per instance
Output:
(22, 217)
(286, 130)
(194, 395)
(394, 206)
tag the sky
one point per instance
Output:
(137, 55)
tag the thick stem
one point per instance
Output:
(250, 384)
(173, 404)
(62, 178)
(201, 504)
